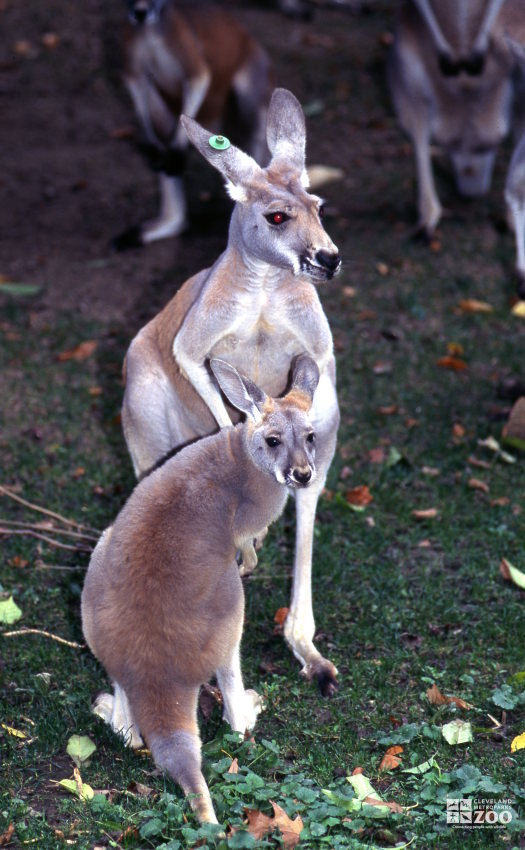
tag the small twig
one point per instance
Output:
(40, 565)
(48, 540)
(45, 527)
(7, 492)
(45, 634)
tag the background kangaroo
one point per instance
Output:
(190, 57)
(257, 308)
(450, 74)
(163, 605)
(515, 182)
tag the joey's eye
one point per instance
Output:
(310, 437)
(273, 442)
(276, 218)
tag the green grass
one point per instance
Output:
(400, 603)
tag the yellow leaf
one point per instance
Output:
(15, 733)
(519, 309)
(518, 743)
(510, 573)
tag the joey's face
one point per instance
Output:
(283, 444)
(144, 11)
(282, 225)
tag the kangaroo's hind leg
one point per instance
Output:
(168, 721)
(240, 707)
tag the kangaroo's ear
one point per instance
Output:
(237, 167)
(239, 390)
(286, 130)
(305, 375)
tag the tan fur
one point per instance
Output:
(162, 604)
(194, 59)
(451, 77)
(257, 308)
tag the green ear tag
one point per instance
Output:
(220, 143)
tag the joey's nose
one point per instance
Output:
(302, 476)
(329, 260)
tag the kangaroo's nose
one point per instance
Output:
(302, 476)
(329, 260)
(140, 12)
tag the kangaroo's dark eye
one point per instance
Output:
(310, 437)
(276, 218)
(273, 442)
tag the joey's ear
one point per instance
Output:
(239, 390)
(305, 375)
(286, 131)
(237, 167)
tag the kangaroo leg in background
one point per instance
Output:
(241, 706)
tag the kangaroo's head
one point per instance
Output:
(279, 437)
(275, 221)
(144, 11)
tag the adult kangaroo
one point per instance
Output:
(257, 307)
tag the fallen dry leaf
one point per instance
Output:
(234, 766)
(455, 349)
(426, 513)
(382, 268)
(377, 455)
(388, 409)
(126, 132)
(382, 368)
(458, 430)
(472, 305)
(454, 363)
(435, 696)
(394, 807)
(140, 789)
(280, 616)
(349, 291)
(81, 352)
(390, 759)
(357, 770)
(478, 484)
(6, 836)
(502, 502)
(209, 698)
(50, 40)
(511, 573)
(260, 825)
(359, 496)
(480, 464)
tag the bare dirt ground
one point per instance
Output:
(71, 182)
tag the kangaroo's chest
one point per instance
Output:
(262, 342)
(158, 61)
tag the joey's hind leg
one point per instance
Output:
(240, 707)
(170, 729)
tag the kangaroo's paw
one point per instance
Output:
(103, 706)
(325, 674)
(254, 706)
(129, 238)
